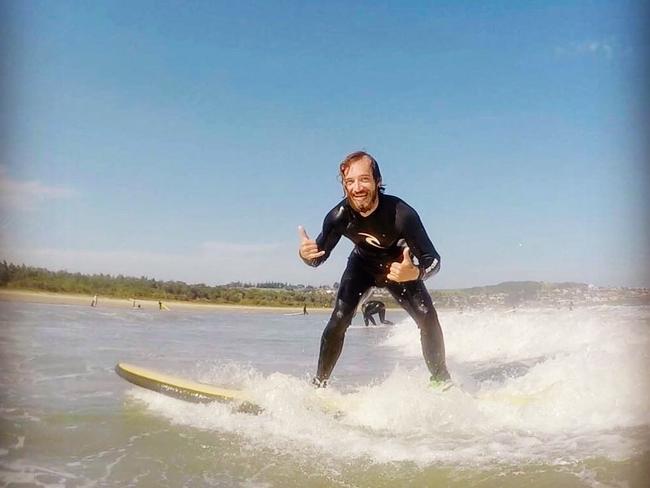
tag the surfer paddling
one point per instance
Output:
(391, 250)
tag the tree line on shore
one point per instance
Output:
(23, 277)
(278, 294)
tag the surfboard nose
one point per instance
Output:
(186, 390)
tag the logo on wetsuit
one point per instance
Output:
(372, 240)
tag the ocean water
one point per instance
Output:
(544, 398)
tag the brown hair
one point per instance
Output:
(356, 156)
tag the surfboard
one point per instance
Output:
(184, 389)
(520, 399)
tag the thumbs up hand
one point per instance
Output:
(404, 271)
(308, 247)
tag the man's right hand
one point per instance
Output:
(308, 247)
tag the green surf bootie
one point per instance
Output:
(440, 384)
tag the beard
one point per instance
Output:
(363, 201)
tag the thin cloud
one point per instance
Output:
(604, 49)
(211, 262)
(239, 249)
(28, 194)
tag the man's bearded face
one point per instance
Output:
(361, 189)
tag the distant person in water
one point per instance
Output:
(391, 250)
(374, 307)
(304, 310)
(93, 303)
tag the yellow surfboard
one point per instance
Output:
(183, 389)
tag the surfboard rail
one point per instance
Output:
(183, 389)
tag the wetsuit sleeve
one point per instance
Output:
(418, 241)
(333, 226)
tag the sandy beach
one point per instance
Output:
(70, 299)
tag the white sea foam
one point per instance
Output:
(555, 388)
(537, 386)
(579, 389)
(25, 473)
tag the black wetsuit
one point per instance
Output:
(379, 241)
(374, 307)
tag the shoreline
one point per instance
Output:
(30, 296)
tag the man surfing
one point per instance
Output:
(391, 250)
(374, 307)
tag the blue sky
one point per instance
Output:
(188, 140)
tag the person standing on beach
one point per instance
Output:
(391, 250)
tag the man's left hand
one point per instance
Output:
(404, 271)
